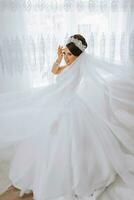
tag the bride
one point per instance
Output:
(73, 139)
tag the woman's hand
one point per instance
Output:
(56, 69)
(60, 53)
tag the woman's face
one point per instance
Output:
(68, 56)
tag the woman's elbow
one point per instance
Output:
(54, 71)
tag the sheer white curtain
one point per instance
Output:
(31, 30)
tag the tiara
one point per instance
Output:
(77, 43)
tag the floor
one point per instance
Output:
(13, 194)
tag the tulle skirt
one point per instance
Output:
(66, 160)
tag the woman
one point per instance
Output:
(67, 145)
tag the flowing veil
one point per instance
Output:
(29, 112)
(107, 90)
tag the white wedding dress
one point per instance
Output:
(70, 144)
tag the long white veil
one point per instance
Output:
(108, 90)
(26, 113)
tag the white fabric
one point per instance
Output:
(74, 138)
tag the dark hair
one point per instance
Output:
(74, 49)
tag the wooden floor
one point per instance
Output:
(13, 194)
